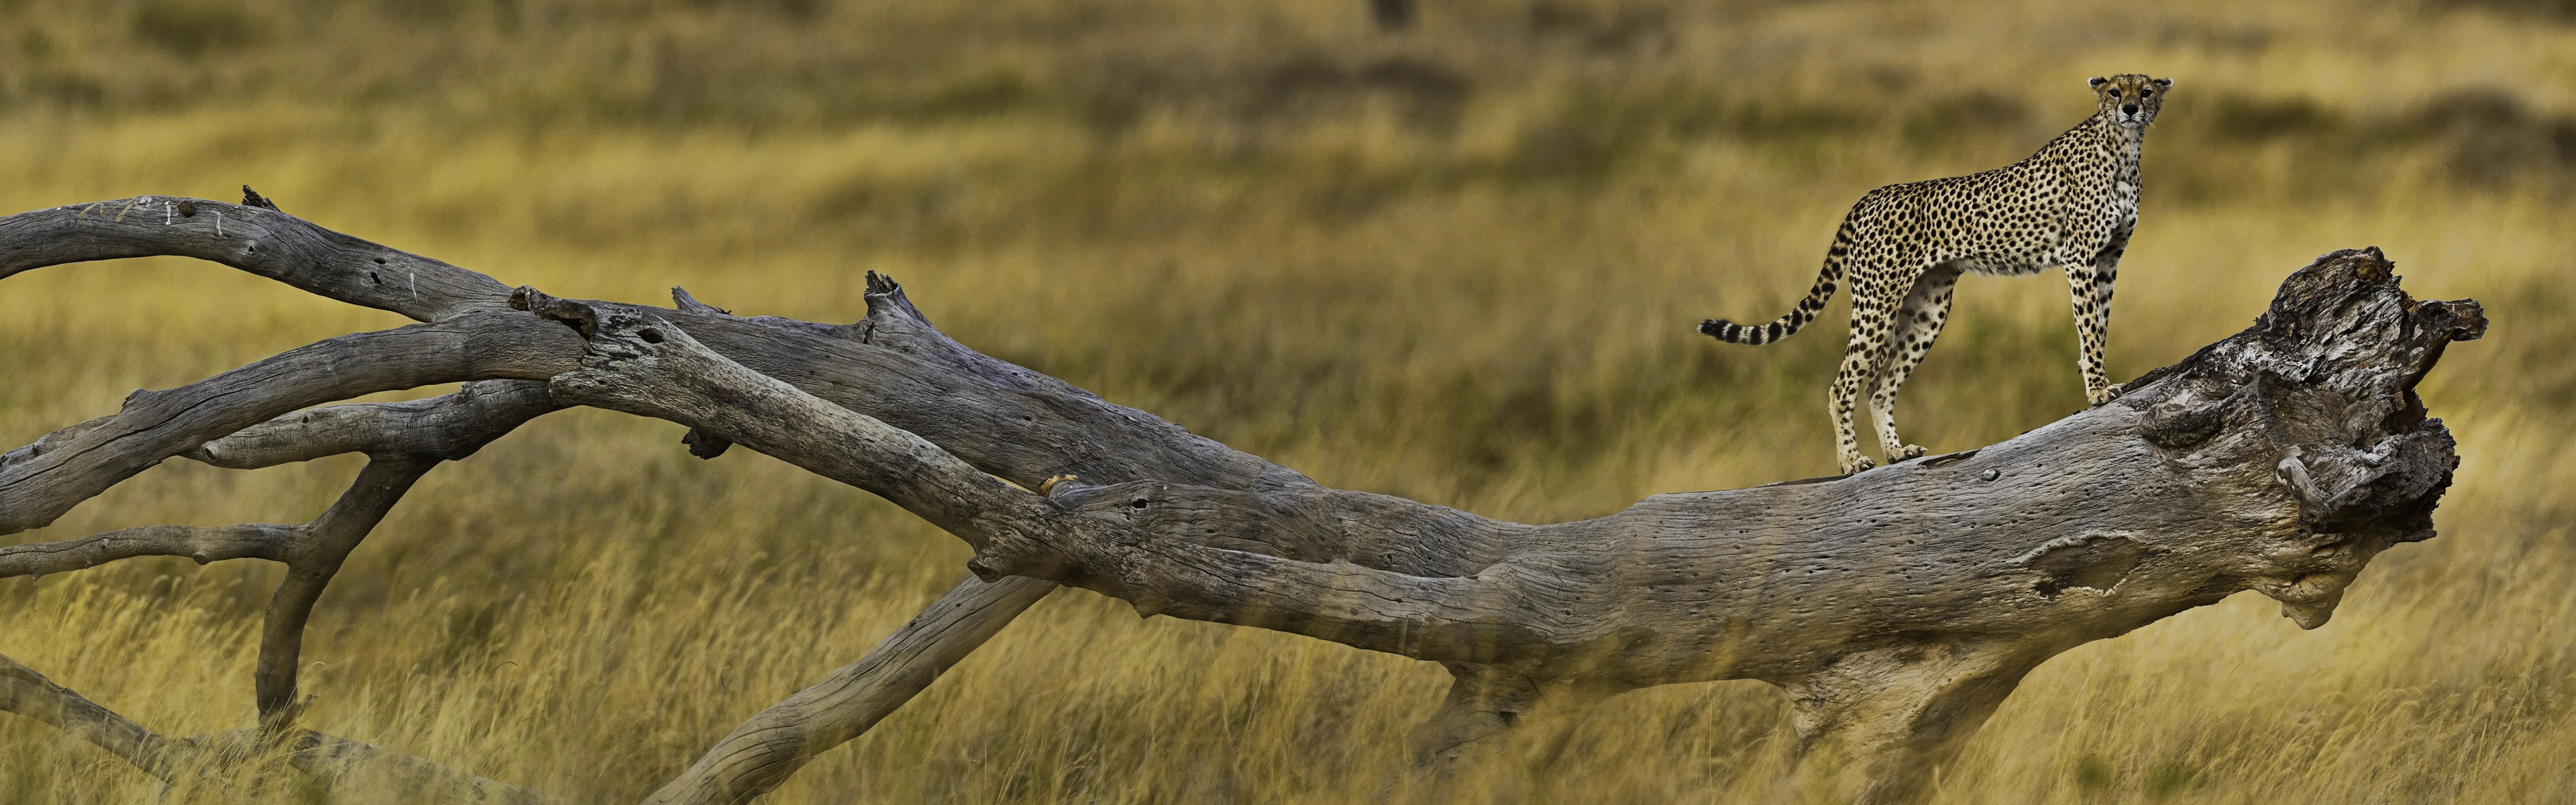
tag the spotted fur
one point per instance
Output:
(2071, 206)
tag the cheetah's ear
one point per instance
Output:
(2096, 81)
(2164, 82)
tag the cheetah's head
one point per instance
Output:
(2130, 99)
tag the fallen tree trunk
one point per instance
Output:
(1896, 607)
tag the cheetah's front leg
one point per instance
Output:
(2089, 286)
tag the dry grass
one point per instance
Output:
(1459, 264)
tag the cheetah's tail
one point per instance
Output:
(1807, 308)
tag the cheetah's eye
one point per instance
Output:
(2145, 92)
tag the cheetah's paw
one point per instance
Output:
(1911, 451)
(1856, 464)
(2105, 395)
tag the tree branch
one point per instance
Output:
(405, 441)
(258, 240)
(773, 744)
(449, 427)
(30, 694)
(42, 480)
(325, 543)
(203, 544)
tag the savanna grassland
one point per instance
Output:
(1459, 263)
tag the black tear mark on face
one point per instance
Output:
(2099, 564)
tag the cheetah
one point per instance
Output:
(2070, 206)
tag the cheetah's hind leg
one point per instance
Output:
(1917, 323)
(1876, 321)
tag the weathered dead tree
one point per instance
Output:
(1896, 607)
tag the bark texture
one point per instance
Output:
(1896, 607)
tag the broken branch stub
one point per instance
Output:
(1897, 607)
